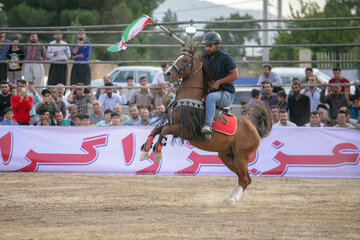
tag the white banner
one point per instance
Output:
(289, 152)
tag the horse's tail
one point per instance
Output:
(261, 118)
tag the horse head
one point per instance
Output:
(185, 66)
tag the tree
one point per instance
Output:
(333, 8)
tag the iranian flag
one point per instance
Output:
(131, 31)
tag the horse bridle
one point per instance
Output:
(180, 72)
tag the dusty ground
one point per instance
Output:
(83, 206)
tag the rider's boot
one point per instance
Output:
(206, 129)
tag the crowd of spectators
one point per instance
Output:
(22, 104)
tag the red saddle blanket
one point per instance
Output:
(226, 125)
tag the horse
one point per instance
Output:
(186, 114)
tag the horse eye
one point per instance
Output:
(185, 61)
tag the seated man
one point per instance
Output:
(101, 91)
(47, 103)
(341, 119)
(110, 99)
(275, 114)
(123, 117)
(225, 73)
(85, 120)
(45, 119)
(268, 95)
(143, 97)
(135, 116)
(80, 99)
(96, 113)
(128, 92)
(144, 115)
(283, 120)
(314, 120)
(60, 121)
(324, 116)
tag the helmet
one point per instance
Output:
(212, 37)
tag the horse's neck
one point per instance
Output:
(192, 87)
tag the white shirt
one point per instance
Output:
(64, 51)
(159, 77)
(314, 98)
(288, 124)
(109, 103)
(308, 125)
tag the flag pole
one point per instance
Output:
(168, 31)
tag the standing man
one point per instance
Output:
(313, 93)
(159, 77)
(4, 97)
(58, 72)
(142, 97)
(338, 78)
(34, 71)
(22, 103)
(269, 76)
(3, 56)
(225, 72)
(81, 72)
(15, 54)
(299, 106)
(268, 95)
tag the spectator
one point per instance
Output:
(107, 119)
(348, 116)
(34, 71)
(81, 73)
(308, 73)
(78, 118)
(358, 124)
(60, 121)
(47, 103)
(144, 115)
(269, 76)
(96, 113)
(338, 79)
(159, 111)
(134, 112)
(129, 91)
(324, 116)
(282, 103)
(115, 119)
(45, 119)
(59, 102)
(123, 117)
(81, 100)
(283, 120)
(314, 120)
(255, 95)
(245, 113)
(143, 97)
(22, 103)
(12, 90)
(58, 52)
(85, 120)
(61, 94)
(313, 93)
(4, 97)
(3, 56)
(101, 91)
(299, 106)
(73, 112)
(159, 77)
(275, 113)
(8, 118)
(268, 96)
(161, 97)
(336, 100)
(341, 119)
(14, 69)
(36, 99)
(355, 108)
(110, 99)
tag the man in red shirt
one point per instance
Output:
(22, 103)
(338, 79)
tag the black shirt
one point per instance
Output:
(4, 103)
(15, 56)
(299, 110)
(221, 66)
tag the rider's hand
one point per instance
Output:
(215, 85)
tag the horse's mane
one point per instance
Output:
(208, 76)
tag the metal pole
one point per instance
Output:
(265, 33)
(279, 13)
(168, 32)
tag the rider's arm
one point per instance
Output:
(232, 76)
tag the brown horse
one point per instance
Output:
(185, 116)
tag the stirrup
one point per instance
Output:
(206, 129)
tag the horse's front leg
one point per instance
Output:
(166, 130)
(145, 148)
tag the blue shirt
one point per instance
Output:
(273, 78)
(102, 123)
(109, 103)
(86, 51)
(8, 123)
(354, 112)
(4, 49)
(37, 99)
(270, 101)
(221, 66)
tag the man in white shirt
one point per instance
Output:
(59, 52)
(313, 93)
(109, 99)
(283, 120)
(314, 120)
(159, 77)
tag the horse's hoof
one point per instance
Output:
(229, 201)
(144, 156)
(208, 137)
(157, 156)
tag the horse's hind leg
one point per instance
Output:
(238, 164)
(145, 148)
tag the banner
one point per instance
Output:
(288, 152)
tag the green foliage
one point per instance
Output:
(85, 17)
(333, 8)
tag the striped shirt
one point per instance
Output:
(35, 53)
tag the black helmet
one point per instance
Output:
(212, 37)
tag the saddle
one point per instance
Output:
(224, 121)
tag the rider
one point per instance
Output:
(225, 72)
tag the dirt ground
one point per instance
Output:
(87, 206)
